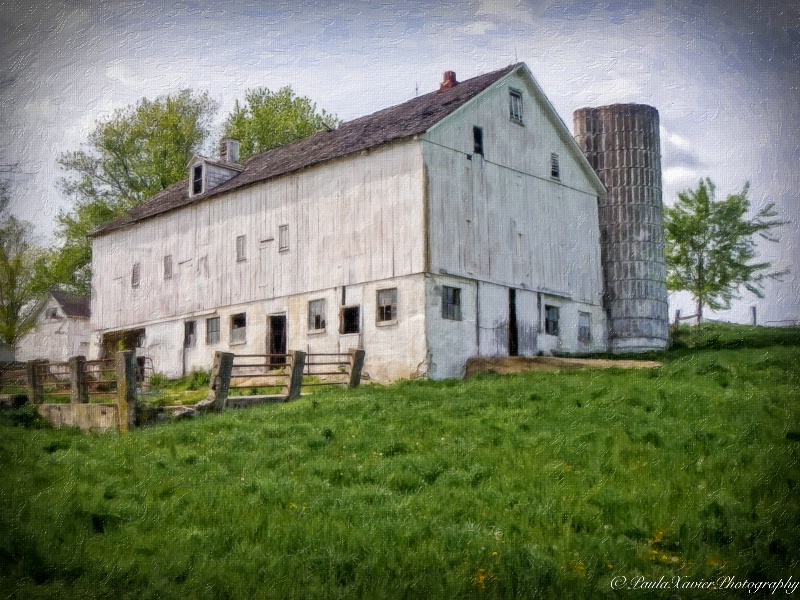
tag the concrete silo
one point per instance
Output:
(622, 143)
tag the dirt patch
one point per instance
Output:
(519, 364)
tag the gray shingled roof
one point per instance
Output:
(403, 121)
(74, 306)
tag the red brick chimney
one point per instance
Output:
(449, 81)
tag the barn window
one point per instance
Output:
(387, 306)
(197, 179)
(239, 328)
(477, 140)
(451, 303)
(136, 275)
(555, 170)
(551, 320)
(350, 319)
(515, 105)
(240, 248)
(52, 314)
(212, 330)
(316, 315)
(585, 328)
(283, 238)
(189, 334)
(168, 266)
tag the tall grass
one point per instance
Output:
(539, 485)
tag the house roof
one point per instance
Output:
(73, 306)
(403, 121)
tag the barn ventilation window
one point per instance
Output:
(350, 319)
(239, 328)
(477, 140)
(240, 248)
(283, 238)
(316, 315)
(136, 275)
(168, 266)
(555, 169)
(515, 105)
(212, 330)
(585, 328)
(451, 303)
(189, 334)
(387, 306)
(551, 320)
(197, 179)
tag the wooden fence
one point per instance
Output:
(278, 377)
(67, 393)
(62, 391)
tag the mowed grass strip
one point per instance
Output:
(533, 486)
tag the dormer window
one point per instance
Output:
(206, 174)
(197, 179)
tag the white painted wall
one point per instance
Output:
(56, 339)
(450, 342)
(501, 218)
(567, 338)
(393, 351)
(351, 221)
(501, 221)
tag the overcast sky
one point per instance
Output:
(724, 75)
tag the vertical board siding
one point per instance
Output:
(355, 222)
(501, 217)
(350, 221)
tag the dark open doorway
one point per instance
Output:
(117, 341)
(513, 337)
(277, 339)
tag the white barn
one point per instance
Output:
(459, 223)
(62, 329)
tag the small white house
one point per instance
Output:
(461, 222)
(62, 329)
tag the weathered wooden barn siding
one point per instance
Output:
(501, 219)
(351, 221)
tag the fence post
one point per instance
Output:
(34, 382)
(126, 390)
(221, 373)
(297, 359)
(356, 364)
(78, 393)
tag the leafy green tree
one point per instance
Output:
(19, 287)
(710, 246)
(271, 119)
(139, 151)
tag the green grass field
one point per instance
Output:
(533, 486)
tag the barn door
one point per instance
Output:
(276, 341)
(513, 336)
